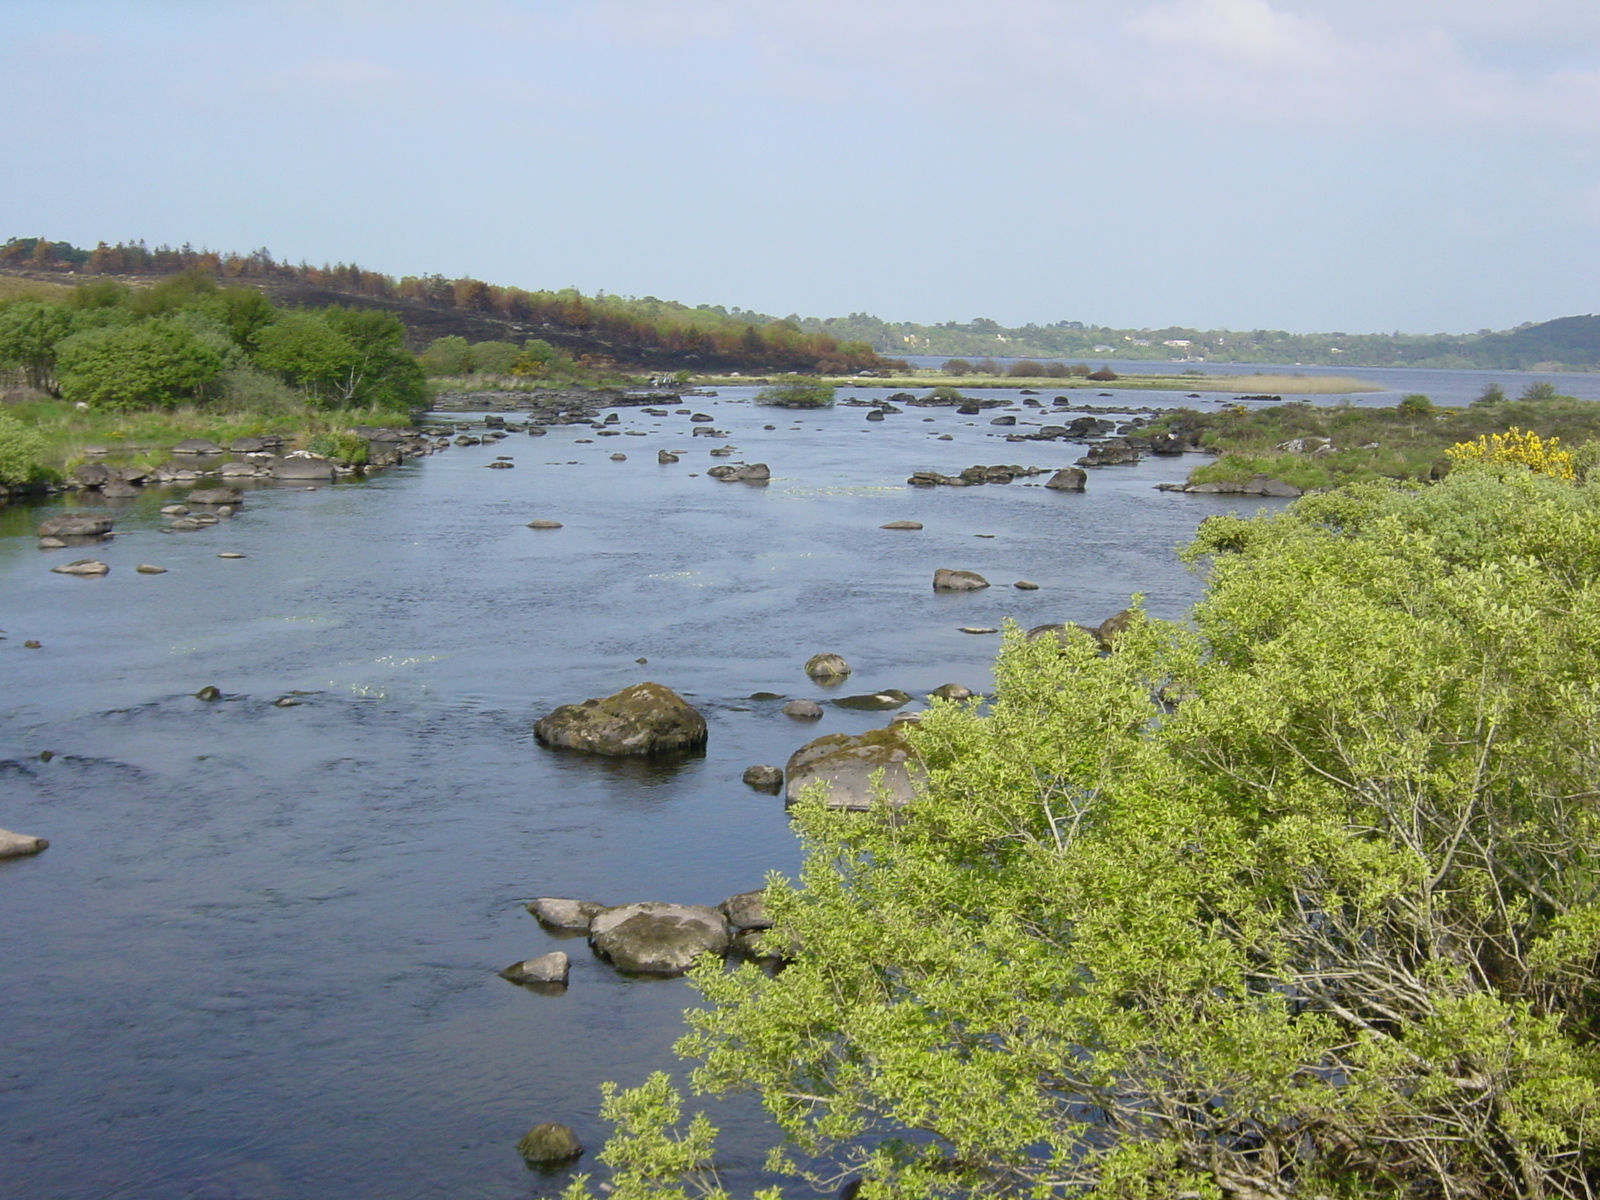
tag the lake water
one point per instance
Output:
(258, 960)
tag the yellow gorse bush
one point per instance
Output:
(1543, 455)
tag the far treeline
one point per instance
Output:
(626, 330)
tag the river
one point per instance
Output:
(258, 960)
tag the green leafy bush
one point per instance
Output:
(156, 363)
(1299, 897)
(797, 393)
(21, 451)
(348, 448)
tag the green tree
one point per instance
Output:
(153, 364)
(494, 358)
(31, 333)
(1299, 899)
(446, 356)
(343, 356)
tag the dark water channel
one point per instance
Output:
(259, 959)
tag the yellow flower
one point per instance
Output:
(1541, 455)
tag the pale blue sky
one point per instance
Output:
(1425, 165)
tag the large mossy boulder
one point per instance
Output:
(846, 765)
(646, 718)
(654, 938)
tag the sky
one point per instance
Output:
(1311, 165)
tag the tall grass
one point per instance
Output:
(147, 437)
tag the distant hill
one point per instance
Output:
(662, 334)
(622, 331)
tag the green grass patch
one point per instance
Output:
(147, 437)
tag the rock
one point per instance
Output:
(547, 968)
(1006, 420)
(549, 1143)
(209, 693)
(875, 415)
(230, 554)
(197, 446)
(766, 696)
(902, 525)
(845, 764)
(952, 691)
(183, 524)
(884, 701)
(1068, 479)
(30, 644)
(301, 468)
(747, 910)
(1113, 627)
(571, 915)
(286, 702)
(174, 510)
(958, 581)
(806, 710)
(1025, 585)
(51, 543)
(747, 473)
(150, 569)
(499, 465)
(666, 456)
(614, 458)
(544, 524)
(658, 939)
(978, 629)
(646, 718)
(702, 417)
(249, 445)
(217, 495)
(16, 845)
(82, 566)
(116, 489)
(827, 666)
(764, 779)
(91, 475)
(76, 525)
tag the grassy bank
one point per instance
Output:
(1404, 442)
(1233, 385)
(146, 437)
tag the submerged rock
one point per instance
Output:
(546, 968)
(76, 525)
(958, 581)
(656, 938)
(827, 666)
(217, 495)
(902, 525)
(549, 1143)
(884, 701)
(646, 718)
(82, 566)
(17, 845)
(845, 765)
(150, 569)
(805, 710)
(764, 778)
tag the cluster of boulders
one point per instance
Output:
(741, 473)
(974, 476)
(648, 937)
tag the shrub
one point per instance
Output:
(797, 393)
(957, 366)
(21, 451)
(348, 448)
(247, 389)
(1543, 456)
(1415, 405)
(494, 358)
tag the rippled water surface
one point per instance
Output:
(258, 960)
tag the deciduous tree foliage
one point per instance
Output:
(1300, 898)
(153, 364)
